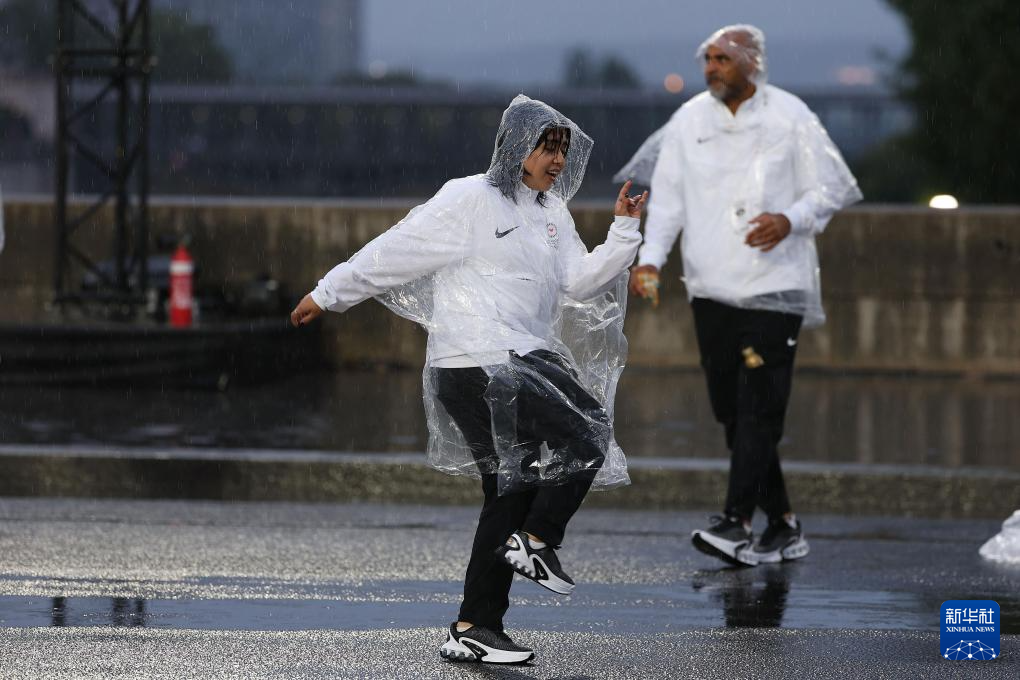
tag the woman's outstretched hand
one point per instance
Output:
(306, 311)
(629, 206)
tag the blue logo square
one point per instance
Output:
(970, 630)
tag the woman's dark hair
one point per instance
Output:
(523, 129)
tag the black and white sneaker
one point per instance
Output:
(723, 539)
(483, 644)
(778, 543)
(540, 565)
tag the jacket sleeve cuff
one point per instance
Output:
(327, 300)
(626, 228)
(653, 255)
(319, 297)
(801, 219)
(626, 224)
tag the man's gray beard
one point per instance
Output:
(720, 91)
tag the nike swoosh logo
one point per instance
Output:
(540, 574)
(501, 234)
(477, 650)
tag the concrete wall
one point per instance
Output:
(905, 289)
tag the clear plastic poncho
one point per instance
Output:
(1005, 545)
(774, 156)
(516, 294)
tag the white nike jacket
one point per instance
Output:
(484, 275)
(716, 171)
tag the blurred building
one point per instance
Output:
(368, 141)
(387, 141)
(297, 41)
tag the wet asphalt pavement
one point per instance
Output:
(100, 589)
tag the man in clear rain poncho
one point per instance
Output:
(525, 347)
(749, 176)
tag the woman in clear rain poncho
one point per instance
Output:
(525, 347)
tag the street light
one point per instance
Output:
(674, 83)
(943, 202)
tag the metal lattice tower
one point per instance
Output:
(103, 55)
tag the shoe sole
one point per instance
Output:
(524, 565)
(703, 541)
(794, 551)
(457, 651)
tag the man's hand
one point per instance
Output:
(629, 206)
(770, 229)
(644, 282)
(306, 312)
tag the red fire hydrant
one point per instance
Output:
(182, 267)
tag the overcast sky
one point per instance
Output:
(521, 42)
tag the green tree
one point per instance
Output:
(616, 73)
(581, 71)
(578, 71)
(186, 52)
(960, 77)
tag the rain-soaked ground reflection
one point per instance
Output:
(766, 597)
(113, 611)
(747, 602)
(914, 420)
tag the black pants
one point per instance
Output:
(541, 511)
(749, 397)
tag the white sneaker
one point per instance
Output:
(484, 645)
(725, 539)
(540, 565)
(778, 543)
